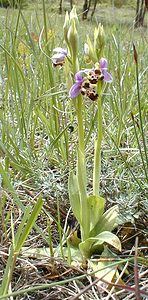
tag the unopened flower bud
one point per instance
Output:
(89, 51)
(66, 27)
(73, 39)
(73, 15)
(99, 40)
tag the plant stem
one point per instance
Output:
(81, 163)
(97, 155)
(55, 127)
(140, 118)
(79, 112)
(81, 172)
(80, 124)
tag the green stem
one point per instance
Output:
(80, 123)
(79, 111)
(97, 155)
(8, 272)
(81, 162)
(54, 125)
(81, 172)
(140, 117)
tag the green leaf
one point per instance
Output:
(43, 119)
(45, 252)
(81, 174)
(94, 244)
(30, 223)
(107, 222)
(86, 247)
(82, 186)
(107, 274)
(96, 208)
(74, 195)
(58, 137)
(74, 240)
(18, 202)
(21, 236)
(109, 238)
(104, 268)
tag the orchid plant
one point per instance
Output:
(95, 224)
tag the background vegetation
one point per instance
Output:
(38, 137)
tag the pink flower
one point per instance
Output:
(103, 67)
(76, 87)
(86, 85)
(59, 57)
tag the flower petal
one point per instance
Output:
(75, 90)
(107, 76)
(57, 58)
(60, 50)
(78, 77)
(103, 64)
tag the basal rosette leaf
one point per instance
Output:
(107, 221)
(103, 268)
(74, 195)
(95, 244)
(87, 246)
(96, 208)
(109, 238)
(74, 240)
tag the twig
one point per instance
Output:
(89, 286)
(120, 276)
(136, 275)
